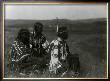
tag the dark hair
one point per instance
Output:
(62, 32)
(23, 36)
(62, 29)
(38, 26)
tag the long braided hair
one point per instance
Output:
(38, 27)
(23, 36)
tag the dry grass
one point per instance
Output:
(90, 47)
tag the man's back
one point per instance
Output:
(59, 52)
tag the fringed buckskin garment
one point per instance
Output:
(59, 51)
(19, 53)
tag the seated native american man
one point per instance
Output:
(19, 52)
(61, 58)
(59, 51)
(39, 46)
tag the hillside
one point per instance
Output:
(77, 26)
(87, 38)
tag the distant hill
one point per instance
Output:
(87, 25)
(53, 21)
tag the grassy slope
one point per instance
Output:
(86, 37)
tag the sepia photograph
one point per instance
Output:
(55, 41)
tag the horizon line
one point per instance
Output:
(59, 19)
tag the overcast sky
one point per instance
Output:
(42, 12)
